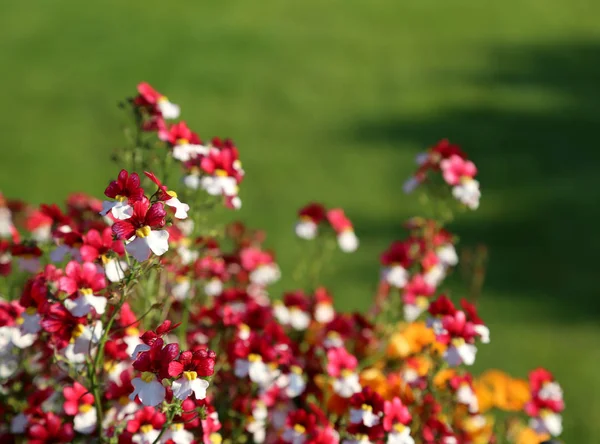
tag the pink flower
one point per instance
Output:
(338, 220)
(395, 413)
(338, 360)
(455, 168)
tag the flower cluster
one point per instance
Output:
(135, 319)
(456, 170)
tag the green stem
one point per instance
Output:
(185, 317)
(170, 415)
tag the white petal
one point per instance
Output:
(192, 181)
(483, 332)
(181, 388)
(306, 229)
(139, 249)
(23, 340)
(181, 209)
(180, 290)
(412, 312)
(199, 387)
(122, 210)
(347, 241)
(396, 276)
(213, 287)
(115, 270)
(31, 323)
(168, 110)
(553, 423)
(299, 320)
(150, 393)
(83, 304)
(19, 423)
(31, 265)
(447, 254)
(467, 353)
(324, 313)
(107, 205)
(139, 349)
(8, 365)
(85, 422)
(282, 313)
(158, 241)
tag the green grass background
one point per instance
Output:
(331, 100)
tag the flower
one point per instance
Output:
(98, 245)
(395, 421)
(455, 169)
(186, 145)
(79, 403)
(169, 198)
(125, 191)
(194, 366)
(347, 240)
(49, 428)
(309, 218)
(149, 97)
(82, 281)
(546, 403)
(341, 365)
(143, 230)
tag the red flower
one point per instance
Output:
(96, 244)
(395, 413)
(146, 416)
(314, 212)
(76, 396)
(179, 133)
(126, 187)
(145, 217)
(61, 324)
(442, 306)
(159, 360)
(81, 277)
(49, 429)
(398, 253)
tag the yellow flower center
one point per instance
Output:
(299, 428)
(458, 342)
(295, 369)
(109, 366)
(120, 198)
(190, 376)
(78, 331)
(148, 377)
(105, 259)
(162, 99)
(143, 232)
(123, 400)
(132, 331)
(31, 311)
(172, 193)
(545, 413)
(86, 291)
(181, 279)
(422, 302)
(19, 320)
(215, 438)
(366, 407)
(220, 173)
(399, 428)
(346, 373)
(182, 142)
(177, 426)
(252, 357)
(146, 428)
(85, 408)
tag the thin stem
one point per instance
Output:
(170, 415)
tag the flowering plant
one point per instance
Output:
(138, 319)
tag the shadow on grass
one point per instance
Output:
(541, 166)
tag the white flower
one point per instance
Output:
(395, 275)
(120, 208)
(85, 421)
(364, 416)
(147, 240)
(551, 391)
(265, 274)
(258, 430)
(42, 234)
(258, 372)
(146, 435)
(192, 181)
(115, 269)
(412, 311)
(181, 209)
(465, 395)
(459, 353)
(214, 287)
(333, 340)
(483, 332)
(219, 184)
(84, 303)
(181, 288)
(400, 434)
(548, 422)
(150, 391)
(292, 384)
(435, 275)
(19, 423)
(168, 109)
(468, 193)
(188, 383)
(347, 241)
(299, 319)
(306, 229)
(5, 222)
(188, 151)
(324, 313)
(179, 434)
(86, 336)
(186, 255)
(447, 255)
(347, 385)
(21, 339)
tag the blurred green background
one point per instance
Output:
(331, 100)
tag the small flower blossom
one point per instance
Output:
(81, 281)
(159, 103)
(125, 191)
(341, 365)
(194, 367)
(169, 198)
(309, 219)
(143, 230)
(347, 240)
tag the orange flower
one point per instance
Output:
(440, 381)
(495, 388)
(410, 339)
(376, 380)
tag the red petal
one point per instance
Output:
(155, 217)
(123, 229)
(175, 368)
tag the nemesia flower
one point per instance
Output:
(455, 169)
(309, 218)
(125, 191)
(366, 407)
(395, 421)
(49, 428)
(415, 297)
(145, 426)
(169, 198)
(293, 310)
(464, 392)
(194, 366)
(98, 245)
(261, 266)
(546, 403)
(341, 365)
(148, 96)
(323, 310)
(300, 425)
(347, 240)
(28, 257)
(83, 280)
(143, 230)
(185, 143)
(79, 403)
(395, 261)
